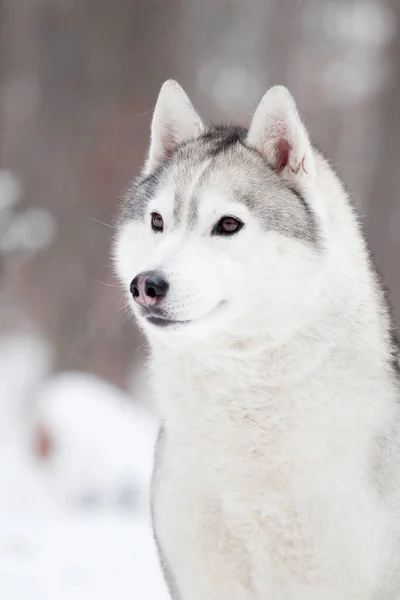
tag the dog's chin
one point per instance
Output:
(160, 324)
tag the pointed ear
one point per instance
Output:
(174, 122)
(278, 133)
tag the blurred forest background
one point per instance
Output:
(78, 82)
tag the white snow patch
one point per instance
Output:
(103, 441)
(79, 557)
(74, 525)
(10, 189)
(32, 230)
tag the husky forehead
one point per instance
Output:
(220, 160)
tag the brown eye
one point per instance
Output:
(227, 226)
(157, 223)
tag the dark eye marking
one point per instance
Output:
(227, 226)
(157, 222)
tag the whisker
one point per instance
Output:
(140, 347)
(119, 308)
(146, 112)
(107, 284)
(128, 315)
(122, 298)
(102, 223)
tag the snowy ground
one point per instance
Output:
(78, 556)
(75, 460)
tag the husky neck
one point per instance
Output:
(253, 373)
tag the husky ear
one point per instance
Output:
(278, 133)
(174, 121)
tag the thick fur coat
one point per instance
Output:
(277, 472)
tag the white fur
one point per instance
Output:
(174, 121)
(274, 399)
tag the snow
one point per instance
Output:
(103, 450)
(10, 189)
(31, 230)
(73, 556)
(74, 518)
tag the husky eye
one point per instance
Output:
(157, 222)
(227, 226)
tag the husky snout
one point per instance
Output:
(149, 288)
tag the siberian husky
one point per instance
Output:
(277, 471)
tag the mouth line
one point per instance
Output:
(162, 322)
(157, 318)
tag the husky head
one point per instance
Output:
(224, 231)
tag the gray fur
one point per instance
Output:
(234, 167)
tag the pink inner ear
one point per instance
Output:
(282, 149)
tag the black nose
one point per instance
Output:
(149, 287)
(155, 285)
